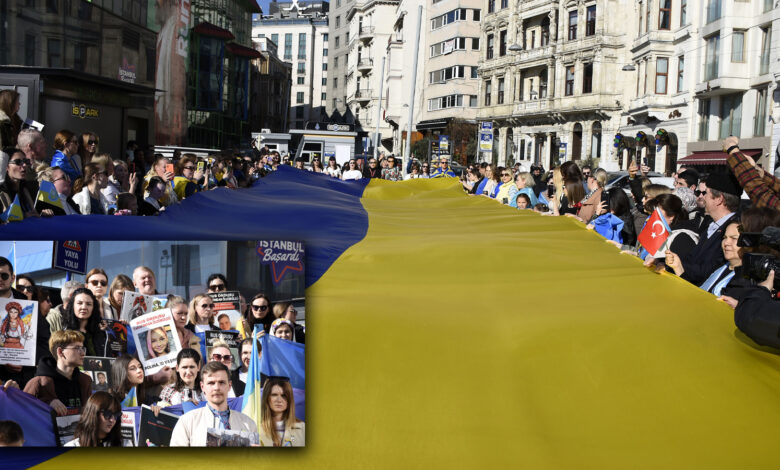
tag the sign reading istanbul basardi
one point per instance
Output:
(83, 111)
(282, 256)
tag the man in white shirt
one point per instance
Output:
(191, 429)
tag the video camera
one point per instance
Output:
(756, 266)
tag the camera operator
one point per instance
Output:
(757, 308)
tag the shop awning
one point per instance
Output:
(432, 124)
(207, 29)
(243, 51)
(712, 158)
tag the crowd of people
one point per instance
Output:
(68, 332)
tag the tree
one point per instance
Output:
(420, 149)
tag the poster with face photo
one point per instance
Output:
(18, 331)
(227, 309)
(134, 304)
(230, 338)
(156, 340)
(99, 368)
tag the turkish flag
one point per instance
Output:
(655, 233)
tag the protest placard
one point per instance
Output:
(231, 338)
(156, 340)
(18, 331)
(127, 429)
(65, 426)
(134, 304)
(99, 369)
(156, 431)
(116, 334)
(227, 303)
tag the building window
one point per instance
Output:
(730, 115)
(335, 62)
(587, 78)
(301, 68)
(325, 37)
(683, 12)
(488, 90)
(275, 39)
(590, 25)
(299, 97)
(324, 97)
(543, 84)
(301, 80)
(477, 14)
(502, 43)
(661, 75)
(491, 6)
(647, 16)
(288, 46)
(572, 25)
(759, 118)
(324, 53)
(337, 42)
(504, 4)
(335, 82)
(711, 59)
(338, 22)
(324, 81)
(29, 49)
(474, 44)
(500, 91)
(489, 46)
(704, 119)
(766, 41)
(738, 46)
(545, 31)
(713, 10)
(335, 103)
(54, 49)
(665, 15)
(324, 66)
(52, 6)
(680, 73)
(570, 80)
(301, 45)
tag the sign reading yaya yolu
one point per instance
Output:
(71, 255)
(282, 256)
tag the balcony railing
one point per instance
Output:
(366, 32)
(365, 64)
(363, 95)
(533, 106)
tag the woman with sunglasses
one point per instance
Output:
(26, 286)
(17, 185)
(66, 145)
(100, 423)
(97, 283)
(88, 147)
(160, 169)
(351, 172)
(201, 314)
(333, 168)
(258, 312)
(188, 178)
(501, 193)
(391, 172)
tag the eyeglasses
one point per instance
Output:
(108, 415)
(25, 288)
(221, 358)
(97, 282)
(92, 142)
(206, 305)
(80, 349)
(21, 161)
(217, 287)
(506, 174)
(5, 276)
(700, 193)
(262, 308)
(189, 167)
(585, 174)
(372, 163)
(60, 179)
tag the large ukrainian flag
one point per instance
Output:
(448, 331)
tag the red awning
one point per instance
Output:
(208, 29)
(713, 158)
(239, 50)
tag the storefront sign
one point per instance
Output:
(127, 72)
(83, 111)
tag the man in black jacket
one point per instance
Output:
(721, 202)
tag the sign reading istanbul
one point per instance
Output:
(127, 72)
(83, 111)
(281, 256)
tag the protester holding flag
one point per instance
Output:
(185, 383)
(280, 427)
(131, 386)
(201, 314)
(99, 425)
(58, 382)
(64, 204)
(682, 236)
(83, 315)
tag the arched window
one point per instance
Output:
(576, 142)
(595, 140)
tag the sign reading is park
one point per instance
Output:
(71, 255)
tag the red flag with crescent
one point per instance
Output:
(655, 233)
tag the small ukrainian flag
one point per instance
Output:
(14, 212)
(48, 193)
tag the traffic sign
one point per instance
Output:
(71, 255)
